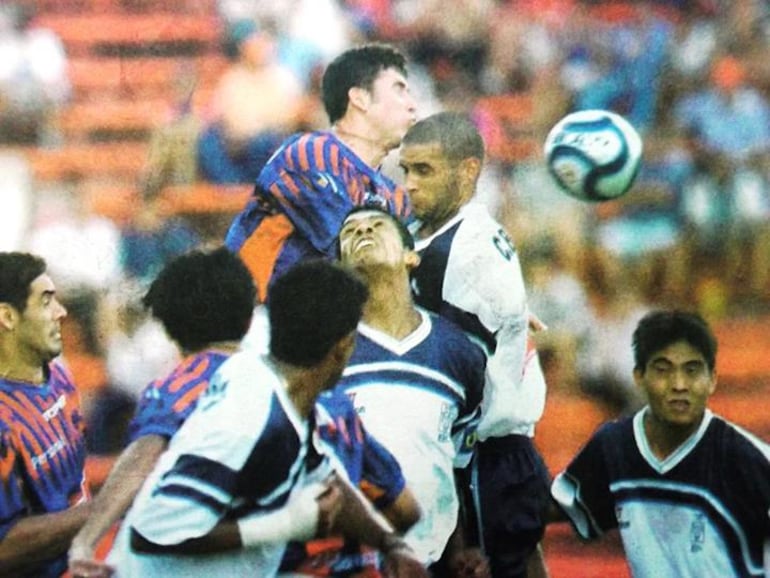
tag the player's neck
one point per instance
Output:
(391, 310)
(663, 438)
(370, 150)
(12, 369)
(226, 347)
(298, 382)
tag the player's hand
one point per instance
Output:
(399, 560)
(469, 563)
(400, 564)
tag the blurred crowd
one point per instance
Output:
(693, 76)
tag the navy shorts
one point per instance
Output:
(510, 485)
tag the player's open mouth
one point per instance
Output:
(363, 243)
(679, 404)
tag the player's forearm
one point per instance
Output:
(122, 485)
(404, 512)
(37, 538)
(358, 521)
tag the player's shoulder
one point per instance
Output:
(335, 402)
(738, 443)
(480, 238)
(615, 432)
(60, 376)
(452, 339)
(308, 144)
(195, 367)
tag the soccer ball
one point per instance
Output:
(594, 155)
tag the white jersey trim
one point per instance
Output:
(670, 462)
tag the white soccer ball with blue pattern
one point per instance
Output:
(594, 155)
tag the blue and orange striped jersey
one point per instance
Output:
(370, 466)
(300, 200)
(167, 402)
(42, 454)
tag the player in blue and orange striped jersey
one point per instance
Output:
(314, 179)
(204, 301)
(370, 467)
(43, 489)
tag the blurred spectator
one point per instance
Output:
(136, 345)
(616, 304)
(558, 297)
(257, 103)
(625, 59)
(449, 37)
(81, 247)
(727, 124)
(15, 200)
(34, 82)
(171, 158)
(151, 239)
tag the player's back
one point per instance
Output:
(300, 201)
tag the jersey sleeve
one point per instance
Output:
(582, 490)
(316, 182)
(165, 404)
(512, 404)
(470, 364)
(197, 482)
(382, 479)
(12, 503)
(308, 182)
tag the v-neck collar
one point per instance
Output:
(674, 458)
(399, 346)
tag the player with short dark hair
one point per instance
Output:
(204, 300)
(43, 488)
(241, 476)
(688, 490)
(470, 273)
(416, 381)
(308, 186)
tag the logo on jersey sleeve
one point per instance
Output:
(446, 419)
(214, 393)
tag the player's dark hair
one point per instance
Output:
(312, 306)
(453, 131)
(357, 67)
(202, 298)
(407, 240)
(659, 329)
(17, 272)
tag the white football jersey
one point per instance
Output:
(470, 273)
(420, 398)
(243, 449)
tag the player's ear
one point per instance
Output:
(8, 315)
(359, 98)
(412, 260)
(470, 169)
(713, 384)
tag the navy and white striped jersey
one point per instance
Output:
(420, 398)
(243, 449)
(470, 273)
(702, 511)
